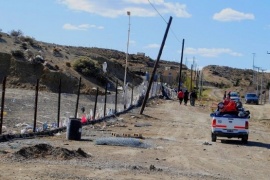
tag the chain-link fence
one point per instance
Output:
(26, 111)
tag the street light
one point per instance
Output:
(125, 77)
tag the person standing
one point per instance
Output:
(186, 93)
(224, 96)
(180, 96)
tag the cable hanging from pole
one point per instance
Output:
(164, 21)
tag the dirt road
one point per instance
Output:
(178, 147)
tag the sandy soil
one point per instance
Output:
(177, 143)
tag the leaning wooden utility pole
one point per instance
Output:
(180, 68)
(156, 64)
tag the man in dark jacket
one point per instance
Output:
(193, 97)
(186, 93)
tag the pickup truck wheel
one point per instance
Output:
(214, 137)
(245, 139)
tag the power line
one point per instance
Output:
(164, 20)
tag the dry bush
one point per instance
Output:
(16, 33)
(57, 52)
(28, 39)
(24, 45)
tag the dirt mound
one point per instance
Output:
(41, 151)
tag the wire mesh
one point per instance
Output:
(20, 106)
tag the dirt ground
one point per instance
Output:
(176, 144)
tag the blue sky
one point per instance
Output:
(223, 32)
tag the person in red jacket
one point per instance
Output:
(230, 106)
(227, 99)
(180, 96)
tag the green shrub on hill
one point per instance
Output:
(89, 68)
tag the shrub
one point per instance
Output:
(57, 52)
(39, 59)
(89, 68)
(17, 53)
(29, 40)
(86, 67)
(16, 33)
(24, 45)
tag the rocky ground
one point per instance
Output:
(167, 141)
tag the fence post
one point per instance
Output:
(59, 103)
(116, 92)
(36, 104)
(105, 101)
(78, 96)
(95, 107)
(131, 103)
(2, 103)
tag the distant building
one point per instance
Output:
(141, 54)
(169, 76)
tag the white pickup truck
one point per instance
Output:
(230, 126)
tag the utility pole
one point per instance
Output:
(269, 89)
(180, 69)
(253, 78)
(262, 82)
(257, 91)
(201, 83)
(191, 75)
(156, 64)
(190, 88)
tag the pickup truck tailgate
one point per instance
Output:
(229, 124)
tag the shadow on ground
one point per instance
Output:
(250, 143)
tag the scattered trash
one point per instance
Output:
(142, 124)
(153, 168)
(58, 134)
(207, 143)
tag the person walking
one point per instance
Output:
(180, 96)
(193, 97)
(186, 93)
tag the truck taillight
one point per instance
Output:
(214, 122)
(246, 125)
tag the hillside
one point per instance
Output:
(240, 80)
(24, 60)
